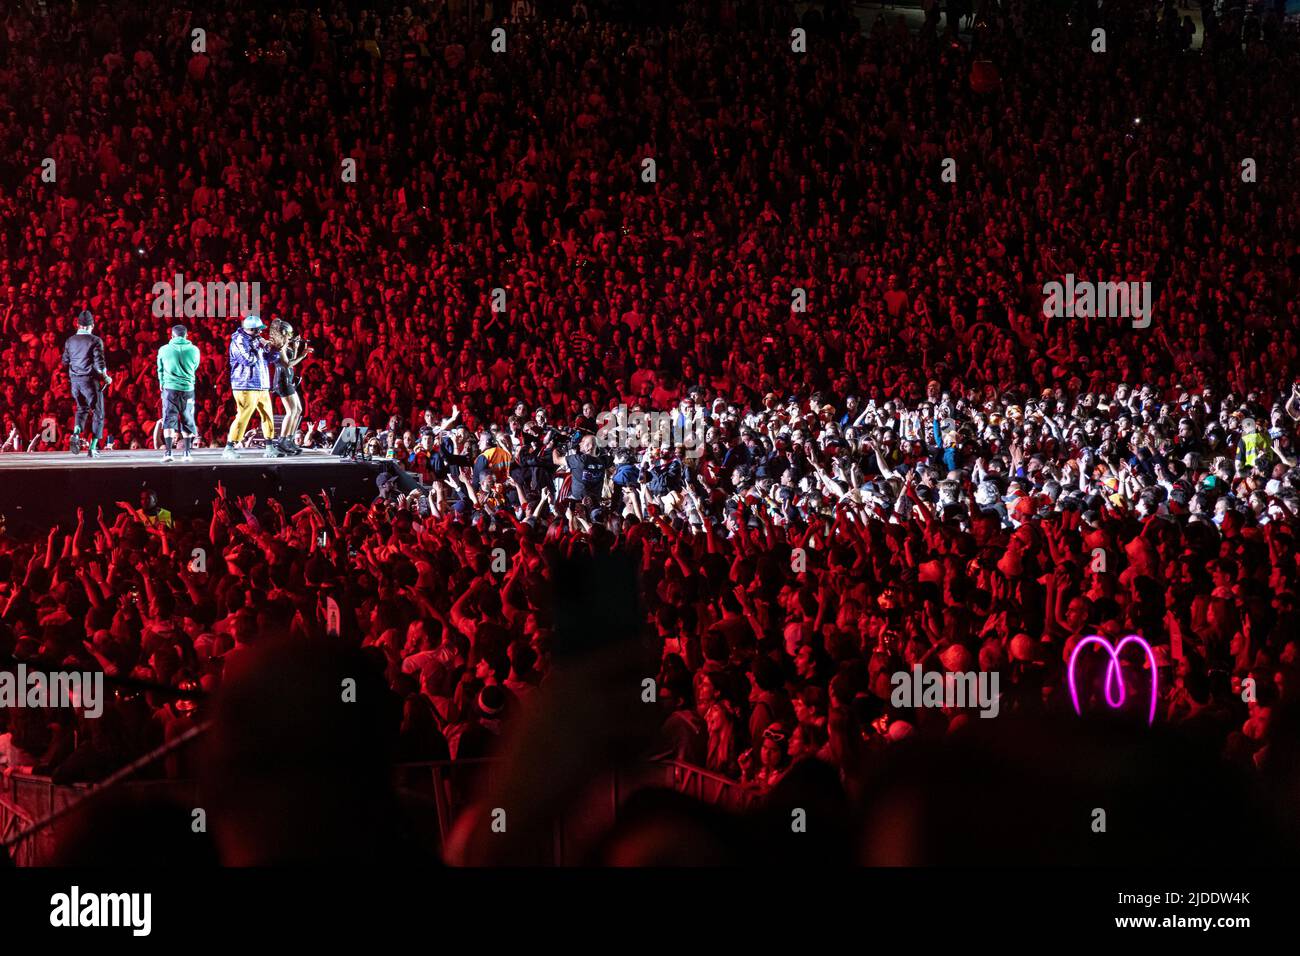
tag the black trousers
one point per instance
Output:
(178, 408)
(90, 404)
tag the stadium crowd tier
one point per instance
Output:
(881, 454)
(523, 171)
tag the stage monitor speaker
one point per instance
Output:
(349, 441)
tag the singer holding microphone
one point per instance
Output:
(293, 350)
(250, 381)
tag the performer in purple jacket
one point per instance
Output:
(250, 380)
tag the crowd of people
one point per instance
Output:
(523, 171)
(877, 453)
(794, 563)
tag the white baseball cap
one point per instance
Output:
(252, 322)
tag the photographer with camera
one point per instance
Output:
(533, 468)
(587, 470)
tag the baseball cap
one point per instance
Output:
(252, 322)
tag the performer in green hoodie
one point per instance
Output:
(178, 360)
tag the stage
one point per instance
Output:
(39, 488)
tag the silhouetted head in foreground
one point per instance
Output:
(299, 762)
(1039, 792)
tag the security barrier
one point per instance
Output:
(31, 806)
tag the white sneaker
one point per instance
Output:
(230, 452)
(168, 456)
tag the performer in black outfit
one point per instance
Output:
(293, 350)
(83, 357)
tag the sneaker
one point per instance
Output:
(93, 453)
(230, 452)
(186, 456)
(168, 456)
(270, 451)
(75, 445)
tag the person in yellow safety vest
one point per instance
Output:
(149, 512)
(1254, 450)
(496, 460)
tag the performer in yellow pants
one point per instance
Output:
(246, 403)
(250, 383)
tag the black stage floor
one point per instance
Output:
(40, 488)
